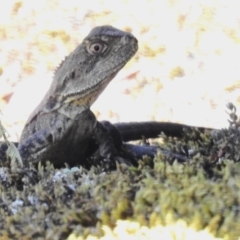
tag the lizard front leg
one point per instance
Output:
(110, 145)
(40, 136)
(135, 130)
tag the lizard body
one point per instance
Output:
(62, 129)
(62, 125)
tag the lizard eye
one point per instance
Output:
(96, 48)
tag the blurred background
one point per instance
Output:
(186, 70)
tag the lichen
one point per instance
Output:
(199, 197)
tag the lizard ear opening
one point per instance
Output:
(51, 103)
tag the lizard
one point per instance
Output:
(62, 125)
(62, 128)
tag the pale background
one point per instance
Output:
(186, 70)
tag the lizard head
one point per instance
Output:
(85, 73)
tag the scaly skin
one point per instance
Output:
(61, 127)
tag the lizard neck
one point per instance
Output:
(75, 105)
(74, 108)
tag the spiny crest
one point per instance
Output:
(60, 65)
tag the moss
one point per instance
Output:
(200, 196)
(54, 203)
